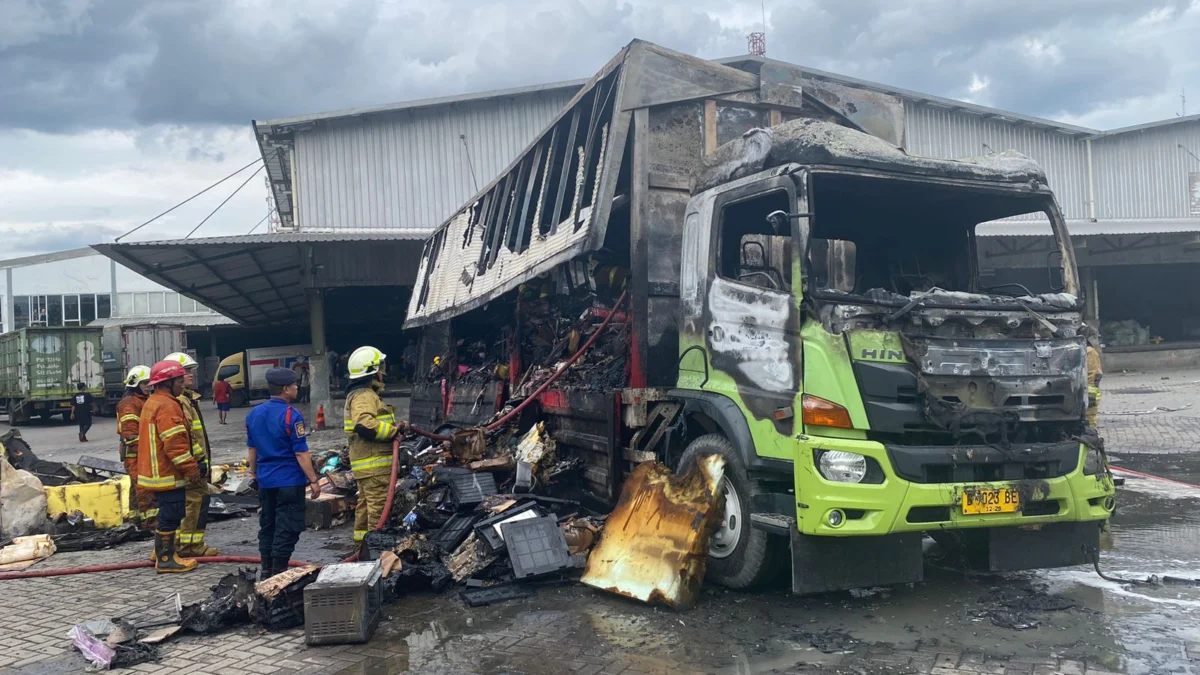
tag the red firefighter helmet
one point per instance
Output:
(166, 370)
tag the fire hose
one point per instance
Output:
(387, 506)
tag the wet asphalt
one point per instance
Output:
(1124, 627)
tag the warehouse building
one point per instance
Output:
(358, 190)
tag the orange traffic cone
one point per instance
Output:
(321, 417)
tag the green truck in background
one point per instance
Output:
(804, 299)
(40, 369)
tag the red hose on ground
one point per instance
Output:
(387, 506)
(137, 564)
(1139, 474)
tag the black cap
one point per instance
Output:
(281, 377)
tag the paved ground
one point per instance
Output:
(936, 627)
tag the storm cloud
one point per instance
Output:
(68, 65)
(112, 111)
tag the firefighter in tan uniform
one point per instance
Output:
(1094, 373)
(371, 426)
(191, 532)
(129, 412)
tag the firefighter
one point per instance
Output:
(371, 426)
(1094, 374)
(166, 465)
(191, 532)
(129, 411)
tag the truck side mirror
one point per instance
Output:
(780, 225)
(833, 264)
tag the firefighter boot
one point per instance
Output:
(281, 566)
(165, 560)
(266, 568)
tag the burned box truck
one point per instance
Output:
(790, 290)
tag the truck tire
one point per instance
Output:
(740, 556)
(17, 416)
(238, 399)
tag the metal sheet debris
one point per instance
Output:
(655, 543)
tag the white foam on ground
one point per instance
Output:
(1090, 578)
(1156, 486)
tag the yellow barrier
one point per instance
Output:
(106, 503)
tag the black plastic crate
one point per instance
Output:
(455, 531)
(486, 528)
(470, 489)
(536, 547)
(479, 597)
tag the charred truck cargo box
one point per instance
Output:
(730, 260)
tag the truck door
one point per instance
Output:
(740, 280)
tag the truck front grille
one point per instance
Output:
(982, 463)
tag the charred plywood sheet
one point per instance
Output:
(655, 543)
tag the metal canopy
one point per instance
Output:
(261, 279)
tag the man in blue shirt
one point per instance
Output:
(280, 461)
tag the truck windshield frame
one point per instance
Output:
(949, 207)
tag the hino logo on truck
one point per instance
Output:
(885, 354)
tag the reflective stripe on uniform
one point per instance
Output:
(132, 441)
(150, 513)
(173, 431)
(180, 460)
(129, 418)
(386, 418)
(348, 427)
(163, 482)
(359, 535)
(383, 430)
(191, 537)
(197, 450)
(377, 462)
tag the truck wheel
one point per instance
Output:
(238, 399)
(739, 556)
(17, 416)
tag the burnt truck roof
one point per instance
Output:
(552, 203)
(817, 142)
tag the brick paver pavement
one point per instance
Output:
(563, 629)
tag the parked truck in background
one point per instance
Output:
(246, 371)
(128, 346)
(804, 299)
(40, 369)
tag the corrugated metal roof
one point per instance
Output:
(196, 320)
(292, 238)
(261, 279)
(424, 103)
(1083, 228)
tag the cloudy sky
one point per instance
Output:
(114, 110)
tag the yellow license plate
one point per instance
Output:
(64, 405)
(1001, 500)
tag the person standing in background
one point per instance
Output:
(409, 359)
(81, 411)
(332, 358)
(300, 369)
(223, 397)
(195, 519)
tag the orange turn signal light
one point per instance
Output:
(821, 413)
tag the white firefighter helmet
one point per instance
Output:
(365, 361)
(137, 375)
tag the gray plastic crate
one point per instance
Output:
(344, 604)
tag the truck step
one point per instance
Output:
(773, 523)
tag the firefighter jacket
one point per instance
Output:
(129, 412)
(190, 401)
(371, 426)
(165, 459)
(1094, 372)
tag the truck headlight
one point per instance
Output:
(842, 467)
(1093, 462)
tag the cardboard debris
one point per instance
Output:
(655, 542)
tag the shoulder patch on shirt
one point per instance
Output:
(300, 432)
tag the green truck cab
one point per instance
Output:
(803, 298)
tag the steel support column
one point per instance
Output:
(318, 365)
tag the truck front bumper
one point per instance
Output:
(898, 505)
